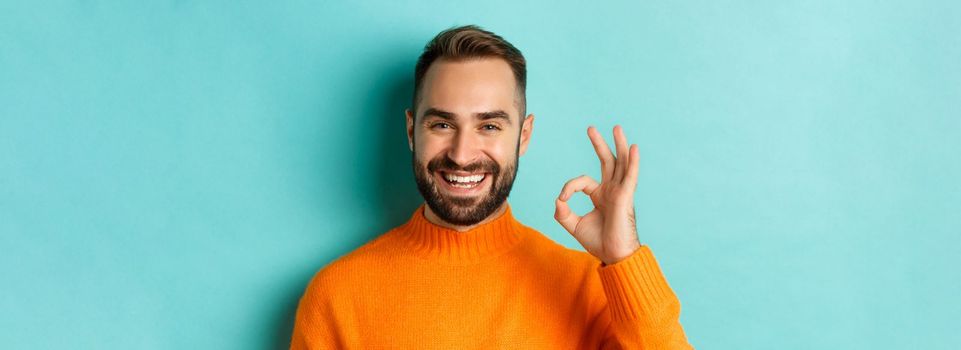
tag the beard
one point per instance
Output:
(464, 211)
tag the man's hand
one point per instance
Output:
(609, 231)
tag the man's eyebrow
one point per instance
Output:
(498, 114)
(438, 113)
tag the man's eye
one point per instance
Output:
(439, 124)
(491, 127)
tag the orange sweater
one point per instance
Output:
(501, 285)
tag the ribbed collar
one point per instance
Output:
(430, 240)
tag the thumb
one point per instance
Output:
(564, 216)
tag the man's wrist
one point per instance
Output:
(618, 257)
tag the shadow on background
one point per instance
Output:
(394, 195)
(397, 191)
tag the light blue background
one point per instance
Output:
(172, 172)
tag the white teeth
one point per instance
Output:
(459, 185)
(464, 179)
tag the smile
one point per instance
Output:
(463, 183)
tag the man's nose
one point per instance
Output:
(464, 149)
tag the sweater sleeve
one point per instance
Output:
(644, 312)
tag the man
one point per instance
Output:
(462, 273)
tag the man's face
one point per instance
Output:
(466, 137)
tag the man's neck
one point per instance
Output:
(433, 218)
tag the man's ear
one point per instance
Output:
(410, 129)
(526, 128)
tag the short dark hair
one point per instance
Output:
(471, 42)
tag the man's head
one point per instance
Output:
(467, 128)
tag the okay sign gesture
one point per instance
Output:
(607, 232)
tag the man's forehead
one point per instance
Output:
(485, 67)
(469, 87)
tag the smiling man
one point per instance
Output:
(462, 272)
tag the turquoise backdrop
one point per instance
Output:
(173, 172)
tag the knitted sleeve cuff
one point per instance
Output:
(636, 289)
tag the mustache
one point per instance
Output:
(445, 163)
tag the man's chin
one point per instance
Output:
(461, 218)
(460, 210)
(460, 203)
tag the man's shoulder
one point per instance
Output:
(354, 264)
